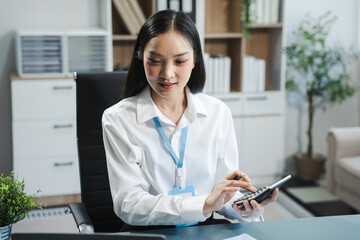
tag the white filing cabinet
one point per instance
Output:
(44, 135)
(259, 128)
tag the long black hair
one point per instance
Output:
(162, 22)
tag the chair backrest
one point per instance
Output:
(94, 93)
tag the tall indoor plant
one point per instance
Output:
(15, 203)
(320, 73)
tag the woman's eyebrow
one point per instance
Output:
(181, 54)
(159, 55)
(154, 53)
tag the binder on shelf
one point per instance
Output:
(207, 87)
(274, 15)
(187, 6)
(137, 11)
(161, 5)
(227, 71)
(131, 15)
(259, 11)
(174, 5)
(212, 74)
(261, 75)
(129, 20)
(264, 11)
(218, 70)
(253, 74)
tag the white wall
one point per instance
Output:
(32, 14)
(346, 32)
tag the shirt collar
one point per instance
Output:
(147, 110)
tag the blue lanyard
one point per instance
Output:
(178, 162)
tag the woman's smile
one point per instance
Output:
(166, 85)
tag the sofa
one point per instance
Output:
(343, 165)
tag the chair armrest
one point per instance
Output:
(81, 217)
(342, 142)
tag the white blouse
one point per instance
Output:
(142, 172)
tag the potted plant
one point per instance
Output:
(320, 74)
(14, 203)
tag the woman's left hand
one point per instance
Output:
(253, 206)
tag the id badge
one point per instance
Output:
(188, 191)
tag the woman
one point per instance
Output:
(171, 150)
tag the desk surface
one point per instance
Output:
(335, 227)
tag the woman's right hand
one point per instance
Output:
(225, 190)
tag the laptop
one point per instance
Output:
(78, 236)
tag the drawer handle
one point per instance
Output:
(63, 126)
(63, 164)
(262, 98)
(233, 99)
(62, 87)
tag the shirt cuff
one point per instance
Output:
(254, 217)
(192, 209)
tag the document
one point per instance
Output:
(243, 236)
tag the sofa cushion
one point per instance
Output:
(347, 173)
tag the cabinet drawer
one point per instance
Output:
(262, 145)
(44, 138)
(53, 176)
(263, 103)
(39, 99)
(233, 101)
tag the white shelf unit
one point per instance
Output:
(258, 116)
(44, 108)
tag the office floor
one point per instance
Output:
(59, 219)
(314, 197)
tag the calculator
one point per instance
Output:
(262, 193)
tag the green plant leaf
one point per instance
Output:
(15, 203)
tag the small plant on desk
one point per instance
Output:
(15, 203)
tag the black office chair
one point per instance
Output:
(94, 93)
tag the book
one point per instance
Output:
(161, 5)
(266, 11)
(187, 6)
(253, 75)
(274, 15)
(212, 75)
(207, 87)
(174, 5)
(261, 75)
(227, 73)
(126, 16)
(137, 11)
(131, 15)
(253, 18)
(259, 11)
